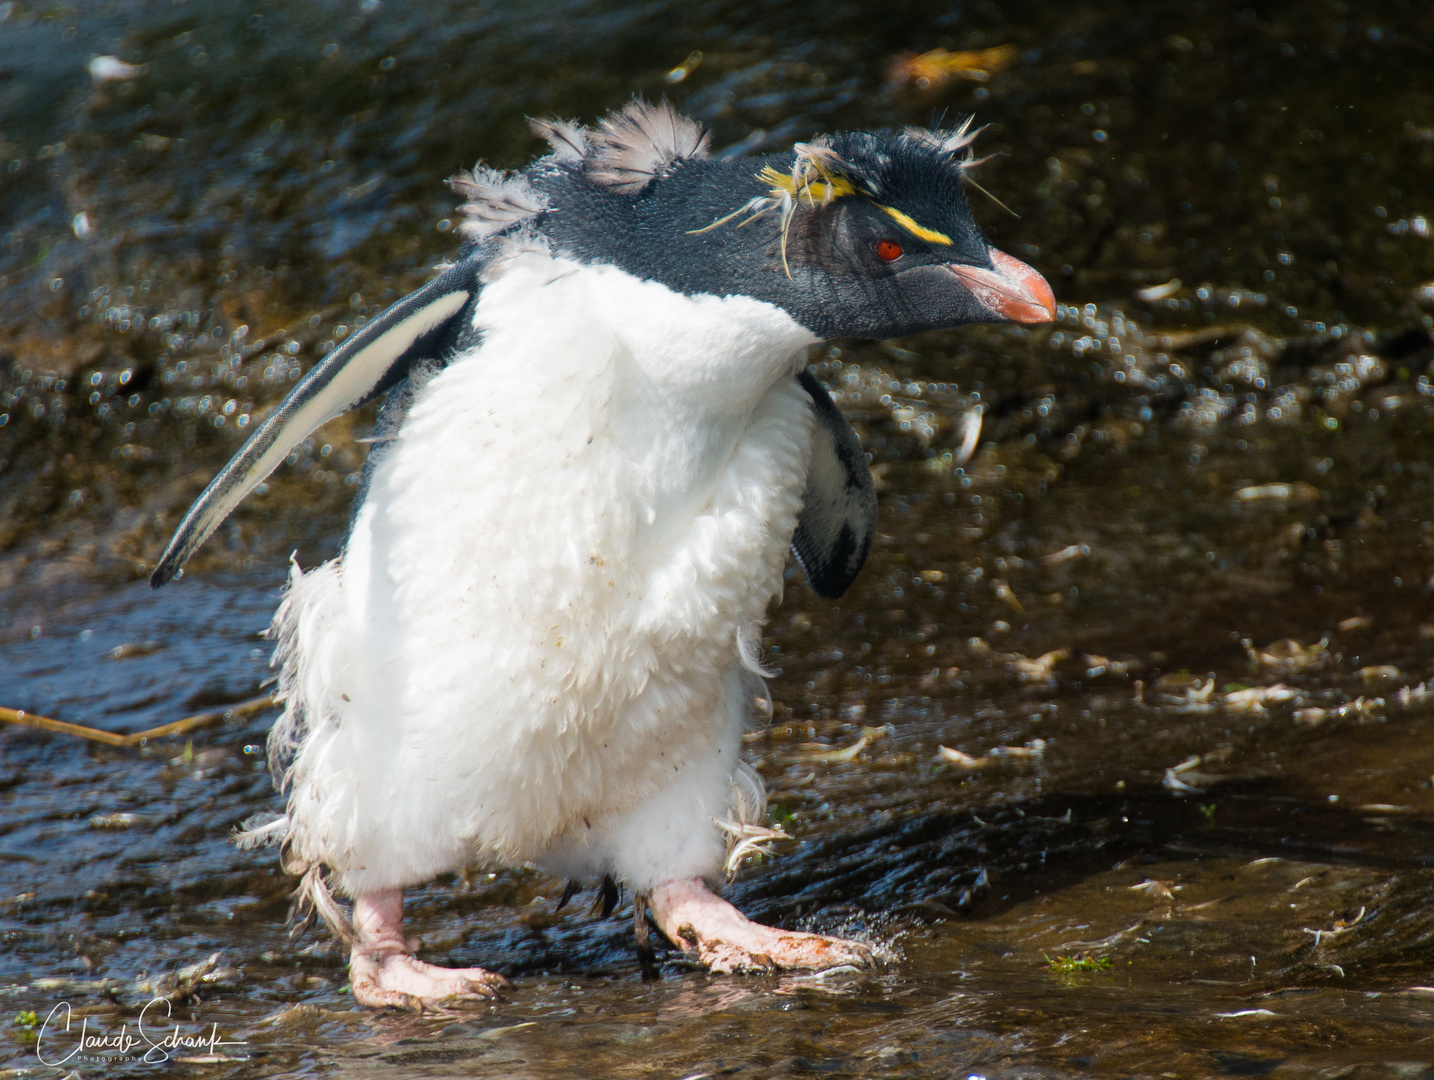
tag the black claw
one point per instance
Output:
(646, 954)
(608, 896)
(571, 889)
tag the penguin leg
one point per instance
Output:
(384, 971)
(698, 921)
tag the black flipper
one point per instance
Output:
(415, 329)
(838, 519)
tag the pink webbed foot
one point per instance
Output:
(384, 972)
(698, 921)
(405, 982)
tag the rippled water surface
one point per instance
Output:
(1173, 610)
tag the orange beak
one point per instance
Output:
(1010, 289)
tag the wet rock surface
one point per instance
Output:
(1119, 746)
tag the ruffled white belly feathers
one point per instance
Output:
(530, 648)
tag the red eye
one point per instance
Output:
(888, 250)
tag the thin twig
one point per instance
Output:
(200, 720)
(138, 738)
(44, 723)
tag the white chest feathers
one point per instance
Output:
(555, 559)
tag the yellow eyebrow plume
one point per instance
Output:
(812, 191)
(931, 236)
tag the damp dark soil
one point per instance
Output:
(1120, 746)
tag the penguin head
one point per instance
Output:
(875, 239)
(857, 235)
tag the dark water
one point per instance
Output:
(1175, 505)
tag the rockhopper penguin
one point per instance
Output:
(598, 443)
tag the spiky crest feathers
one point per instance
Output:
(625, 152)
(630, 148)
(633, 147)
(494, 201)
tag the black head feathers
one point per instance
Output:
(858, 234)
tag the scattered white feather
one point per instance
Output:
(261, 830)
(749, 650)
(313, 896)
(970, 427)
(748, 840)
(105, 69)
(745, 833)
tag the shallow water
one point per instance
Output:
(1193, 526)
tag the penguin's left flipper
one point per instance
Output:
(417, 328)
(837, 523)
